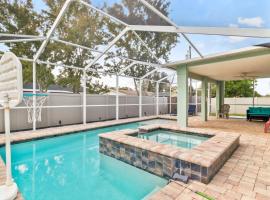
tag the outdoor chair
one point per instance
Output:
(224, 111)
(192, 110)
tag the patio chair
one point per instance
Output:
(192, 110)
(224, 111)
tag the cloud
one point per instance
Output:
(235, 39)
(233, 25)
(254, 21)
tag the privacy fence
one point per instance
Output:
(66, 109)
(240, 105)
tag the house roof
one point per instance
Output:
(251, 62)
(131, 92)
(53, 87)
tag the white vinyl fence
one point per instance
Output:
(67, 109)
(239, 105)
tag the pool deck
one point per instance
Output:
(245, 176)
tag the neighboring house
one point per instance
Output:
(28, 87)
(114, 93)
(129, 92)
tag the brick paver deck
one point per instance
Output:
(245, 176)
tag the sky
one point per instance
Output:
(220, 13)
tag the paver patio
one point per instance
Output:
(245, 176)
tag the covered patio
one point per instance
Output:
(247, 63)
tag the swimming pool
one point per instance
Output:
(71, 167)
(179, 139)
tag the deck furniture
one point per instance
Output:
(224, 111)
(192, 110)
(258, 113)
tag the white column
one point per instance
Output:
(182, 95)
(84, 96)
(157, 98)
(204, 99)
(34, 96)
(117, 98)
(140, 98)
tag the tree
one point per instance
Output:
(160, 43)
(19, 17)
(81, 26)
(240, 88)
(97, 88)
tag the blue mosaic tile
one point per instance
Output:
(204, 171)
(177, 163)
(195, 167)
(151, 164)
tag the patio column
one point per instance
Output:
(182, 95)
(220, 89)
(204, 99)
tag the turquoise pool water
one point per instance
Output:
(71, 167)
(179, 139)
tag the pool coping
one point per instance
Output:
(200, 163)
(30, 135)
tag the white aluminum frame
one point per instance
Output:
(23, 40)
(174, 28)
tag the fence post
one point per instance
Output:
(157, 98)
(117, 98)
(140, 98)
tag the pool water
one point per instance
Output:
(179, 139)
(71, 167)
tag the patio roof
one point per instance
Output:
(246, 63)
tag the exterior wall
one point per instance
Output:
(74, 115)
(241, 104)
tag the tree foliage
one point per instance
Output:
(19, 17)
(81, 26)
(84, 26)
(160, 44)
(240, 88)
